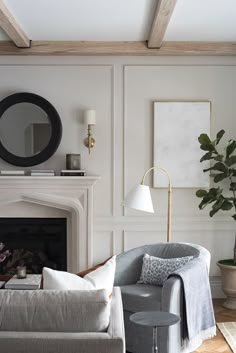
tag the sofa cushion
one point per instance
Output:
(100, 278)
(54, 311)
(141, 297)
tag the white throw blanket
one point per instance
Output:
(198, 323)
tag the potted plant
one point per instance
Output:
(221, 198)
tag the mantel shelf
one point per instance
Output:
(87, 177)
(52, 182)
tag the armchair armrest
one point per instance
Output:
(172, 301)
(172, 296)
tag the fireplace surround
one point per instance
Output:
(55, 197)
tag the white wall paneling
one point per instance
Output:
(122, 91)
(104, 240)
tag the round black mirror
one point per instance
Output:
(30, 129)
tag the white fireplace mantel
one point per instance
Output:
(71, 194)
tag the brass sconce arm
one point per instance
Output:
(89, 120)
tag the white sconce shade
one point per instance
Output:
(139, 198)
(90, 117)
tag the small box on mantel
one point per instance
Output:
(42, 172)
(73, 172)
(12, 172)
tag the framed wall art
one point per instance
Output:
(177, 126)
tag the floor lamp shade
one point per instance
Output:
(139, 198)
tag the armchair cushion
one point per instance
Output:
(141, 297)
(156, 270)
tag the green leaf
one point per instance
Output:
(221, 204)
(207, 156)
(207, 148)
(205, 201)
(217, 206)
(219, 177)
(227, 205)
(204, 139)
(219, 167)
(205, 143)
(219, 157)
(215, 192)
(201, 193)
(211, 196)
(230, 161)
(219, 136)
(230, 148)
(232, 186)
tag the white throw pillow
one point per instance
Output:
(53, 279)
(101, 278)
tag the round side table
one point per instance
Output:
(154, 319)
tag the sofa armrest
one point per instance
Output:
(116, 325)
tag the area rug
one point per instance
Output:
(228, 330)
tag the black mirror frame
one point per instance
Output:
(54, 119)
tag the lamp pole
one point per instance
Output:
(169, 198)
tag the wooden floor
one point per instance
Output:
(218, 343)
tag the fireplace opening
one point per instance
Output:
(34, 243)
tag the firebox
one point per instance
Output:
(34, 243)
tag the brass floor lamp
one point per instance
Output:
(139, 198)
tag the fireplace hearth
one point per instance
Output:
(34, 243)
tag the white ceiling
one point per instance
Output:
(203, 20)
(122, 20)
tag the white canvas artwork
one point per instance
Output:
(177, 126)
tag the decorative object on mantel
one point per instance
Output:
(73, 161)
(49, 172)
(89, 120)
(221, 171)
(70, 172)
(21, 272)
(39, 129)
(12, 172)
(139, 198)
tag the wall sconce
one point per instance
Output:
(89, 120)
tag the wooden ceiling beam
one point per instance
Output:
(10, 26)
(119, 48)
(160, 22)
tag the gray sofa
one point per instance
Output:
(140, 297)
(61, 322)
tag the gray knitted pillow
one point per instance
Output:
(156, 270)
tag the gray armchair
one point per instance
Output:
(140, 297)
